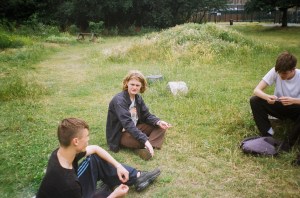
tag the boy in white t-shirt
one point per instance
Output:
(284, 104)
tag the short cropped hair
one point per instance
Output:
(68, 129)
(285, 62)
(134, 74)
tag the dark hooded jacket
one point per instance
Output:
(119, 117)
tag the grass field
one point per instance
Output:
(201, 157)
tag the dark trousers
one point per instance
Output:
(261, 109)
(94, 168)
(155, 134)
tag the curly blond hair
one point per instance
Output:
(137, 75)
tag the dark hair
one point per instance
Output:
(285, 62)
(134, 74)
(68, 129)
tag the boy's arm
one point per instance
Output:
(122, 172)
(259, 92)
(289, 101)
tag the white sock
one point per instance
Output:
(270, 131)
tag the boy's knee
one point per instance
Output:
(254, 100)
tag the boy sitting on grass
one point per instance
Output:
(284, 103)
(65, 177)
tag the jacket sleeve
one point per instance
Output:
(124, 117)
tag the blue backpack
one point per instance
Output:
(266, 146)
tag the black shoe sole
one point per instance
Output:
(145, 184)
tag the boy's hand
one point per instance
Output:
(286, 100)
(123, 174)
(149, 147)
(164, 125)
(272, 99)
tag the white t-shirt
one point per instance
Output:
(289, 88)
(132, 110)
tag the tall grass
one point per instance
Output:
(17, 73)
(17, 58)
(192, 43)
(20, 89)
(12, 41)
(201, 155)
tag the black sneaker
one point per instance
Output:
(145, 179)
(143, 153)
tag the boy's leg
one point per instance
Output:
(128, 141)
(94, 168)
(261, 109)
(156, 134)
(156, 137)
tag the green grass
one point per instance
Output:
(201, 157)
(17, 72)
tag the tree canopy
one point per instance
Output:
(114, 13)
(271, 5)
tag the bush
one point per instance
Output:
(38, 30)
(73, 29)
(96, 27)
(8, 41)
(33, 27)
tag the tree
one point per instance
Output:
(114, 13)
(17, 10)
(271, 5)
(166, 13)
(204, 6)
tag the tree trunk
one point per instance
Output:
(284, 17)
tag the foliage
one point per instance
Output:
(17, 10)
(270, 5)
(162, 13)
(114, 13)
(96, 27)
(30, 27)
(33, 26)
(73, 29)
(254, 5)
(205, 6)
(7, 41)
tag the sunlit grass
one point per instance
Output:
(201, 157)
